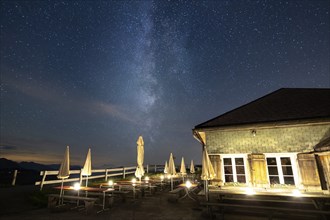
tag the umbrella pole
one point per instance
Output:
(61, 192)
(86, 185)
(207, 190)
(209, 211)
(171, 183)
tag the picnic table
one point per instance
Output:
(182, 191)
(189, 189)
(92, 190)
(125, 185)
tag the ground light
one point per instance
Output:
(249, 191)
(296, 193)
(110, 183)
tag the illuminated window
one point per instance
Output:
(280, 170)
(234, 169)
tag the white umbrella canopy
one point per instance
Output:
(64, 171)
(171, 166)
(166, 168)
(140, 158)
(171, 169)
(207, 168)
(192, 167)
(183, 170)
(87, 169)
(207, 171)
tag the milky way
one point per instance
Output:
(99, 74)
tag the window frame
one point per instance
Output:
(233, 165)
(278, 156)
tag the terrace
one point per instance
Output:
(28, 202)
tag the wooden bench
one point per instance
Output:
(128, 189)
(269, 210)
(53, 200)
(150, 190)
(108, 197)
(121, 194)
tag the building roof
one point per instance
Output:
(323, 145)
(283, 105)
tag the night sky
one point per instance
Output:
(100, 73)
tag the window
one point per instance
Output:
(280, 170)
(234, 169)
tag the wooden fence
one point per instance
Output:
(96, 174)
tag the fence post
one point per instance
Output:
(43, 179)
(155, 168)
(106, 174)
(124, 172)
(14, 178)
(147, 168)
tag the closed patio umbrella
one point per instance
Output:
(64, 171)
(183, 170)
(192, 167)
(87, 169)
(171, 169)
(166, 168)
(140, 157)
(207, 171)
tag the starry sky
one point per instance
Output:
(100, 73)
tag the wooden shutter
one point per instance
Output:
(324, 159)
(258, 170)
(216, 163)
(308, 170)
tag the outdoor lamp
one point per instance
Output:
(110, 183)
(188, 184)
(146, 179)
(76, 186)
(133, 180)
(161, 177)
(169, 176)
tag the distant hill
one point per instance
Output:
(6, 164)
(33, 166)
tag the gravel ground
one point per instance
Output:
(14, 204)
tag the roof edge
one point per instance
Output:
(291, 123)
(256, 100)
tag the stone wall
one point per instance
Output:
(300, 138)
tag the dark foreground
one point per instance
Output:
(16, 203)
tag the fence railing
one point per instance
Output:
(96, 174)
